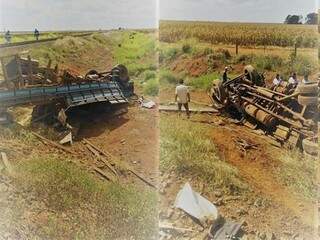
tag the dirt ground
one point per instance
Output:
(131, 137)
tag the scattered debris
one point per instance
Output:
(195, 205)
(104, 174)
(52, 143)
(174, 108)
(114, 160)
(100, 154)
(173, 228)
(244, 145)
(146, 103)
(222, 230)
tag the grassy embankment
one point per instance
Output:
(298, 173)
(216, 57)
(28, 37)
(77, 204)
(135, 49)
(186, 148)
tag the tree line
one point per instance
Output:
(310, 19)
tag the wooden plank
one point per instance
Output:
(142, 178)
(107, 154)
(6, 162)
(52, 143)
(103, 174)
(98, 155)
(174, 108)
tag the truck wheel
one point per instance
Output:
(91, 72)
(306, 100)
(218, 93)
(311, 88)
(310, 147)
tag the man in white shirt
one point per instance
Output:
(293, 79)
(182, 96)
(276, 81)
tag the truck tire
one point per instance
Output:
(307, 100)
(218, 93)
(311, 88)
(310, 147)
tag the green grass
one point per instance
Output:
(203, 82)
(28, 37)
(102, 210)
(79, 52)
(15, 133)
(167, 77)
(136, 50)
(187, 148)
(151, 87)
(299, 173)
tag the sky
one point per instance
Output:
(273, 11)
(24, 15)
(77, 14)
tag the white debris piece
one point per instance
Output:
(146, 103)
(149, 104)
(67, 139)
(195, 205)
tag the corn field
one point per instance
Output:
(245, 34)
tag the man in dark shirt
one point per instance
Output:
(7, 36)
(225, 75)
(36, 34)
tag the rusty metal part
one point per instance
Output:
(282, 133)
(260, 115)
(279, 111)
(296, 124)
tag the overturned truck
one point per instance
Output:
(54, 93)
(285, 112)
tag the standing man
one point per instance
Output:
(182, 96)
(225, 75)
(7, 36)
(36, 34)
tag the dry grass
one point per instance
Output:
(299, 173)
(186, 148)
(77, 204)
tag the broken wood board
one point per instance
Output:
(174, 108)
(6, 163)
(115, 160)
(100, 157)
(52, 143)
(104, 174)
